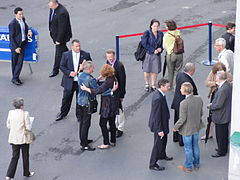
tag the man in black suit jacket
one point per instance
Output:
(60, 31)
(121, 91)
(186, 76)
(71, 64)
(221, 112)
(18, 33)
(159, 124)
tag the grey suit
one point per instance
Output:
(221, 115)
(221, 105)
(190, 121)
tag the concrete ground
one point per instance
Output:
(55, 155)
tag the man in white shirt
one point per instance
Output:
(71, 65)
(18, 32)
(225, 56)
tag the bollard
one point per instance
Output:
(117, 47)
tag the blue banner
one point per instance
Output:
(31, 53)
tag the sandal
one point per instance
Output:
(146, 87)
(103, 146)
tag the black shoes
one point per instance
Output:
(89, 141)
(87, 148)
(52, 74)
(156, 168)
(217, 155)
(167, 158)
(59, 117)
(119, 133)
(16, 83)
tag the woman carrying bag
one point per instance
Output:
(18, 122)
(152, 41)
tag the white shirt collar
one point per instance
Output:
(220, 85)
(221, 53)
(161, 92)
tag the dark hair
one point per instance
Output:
(171, 24)
(154, 21)
(230, 25)
(162, 82)
(17, 9)
(75, 41)
(54, 1)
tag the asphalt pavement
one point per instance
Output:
(56, 155)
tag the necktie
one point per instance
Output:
(22, 25)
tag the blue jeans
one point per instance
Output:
(192, 152)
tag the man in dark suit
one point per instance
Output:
(186, 76)
(221, 112)
(229, 36)
(159, 125)
(60, 31)
(121, 91)
(71, 63)
(18, 33)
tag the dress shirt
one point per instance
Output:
(75, 63)
(161, 92)
(226, 57)
(112, 63)
(22, 25)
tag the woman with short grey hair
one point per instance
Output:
(18, 122)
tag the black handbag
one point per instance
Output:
(92, 104)
(140, 53)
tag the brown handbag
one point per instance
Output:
(29, 135)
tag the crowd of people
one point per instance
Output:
(77, 67)
(187, 104)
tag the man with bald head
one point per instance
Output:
(185, 76)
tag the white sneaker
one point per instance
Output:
(31, 174)
(8, 178)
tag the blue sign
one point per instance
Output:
(31, 53)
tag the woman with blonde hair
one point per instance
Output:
(18, 121)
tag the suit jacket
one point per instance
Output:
(15, 34)
(159, 116)
(190, 114)
(59, 25)
(15, 122)
(178, 97)
(230, 41)
(150, 43)
(121, 78)
(221, 104)
(66, 67)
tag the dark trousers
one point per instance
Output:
(17, 63)
(59, 50)
(159, 149)
(105, 133)
(176, 136)
(222, 138)
(85, 122)
(67, 100)
(15, 156)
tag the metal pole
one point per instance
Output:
(117, 47)
(210, 42)
(209, 62)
